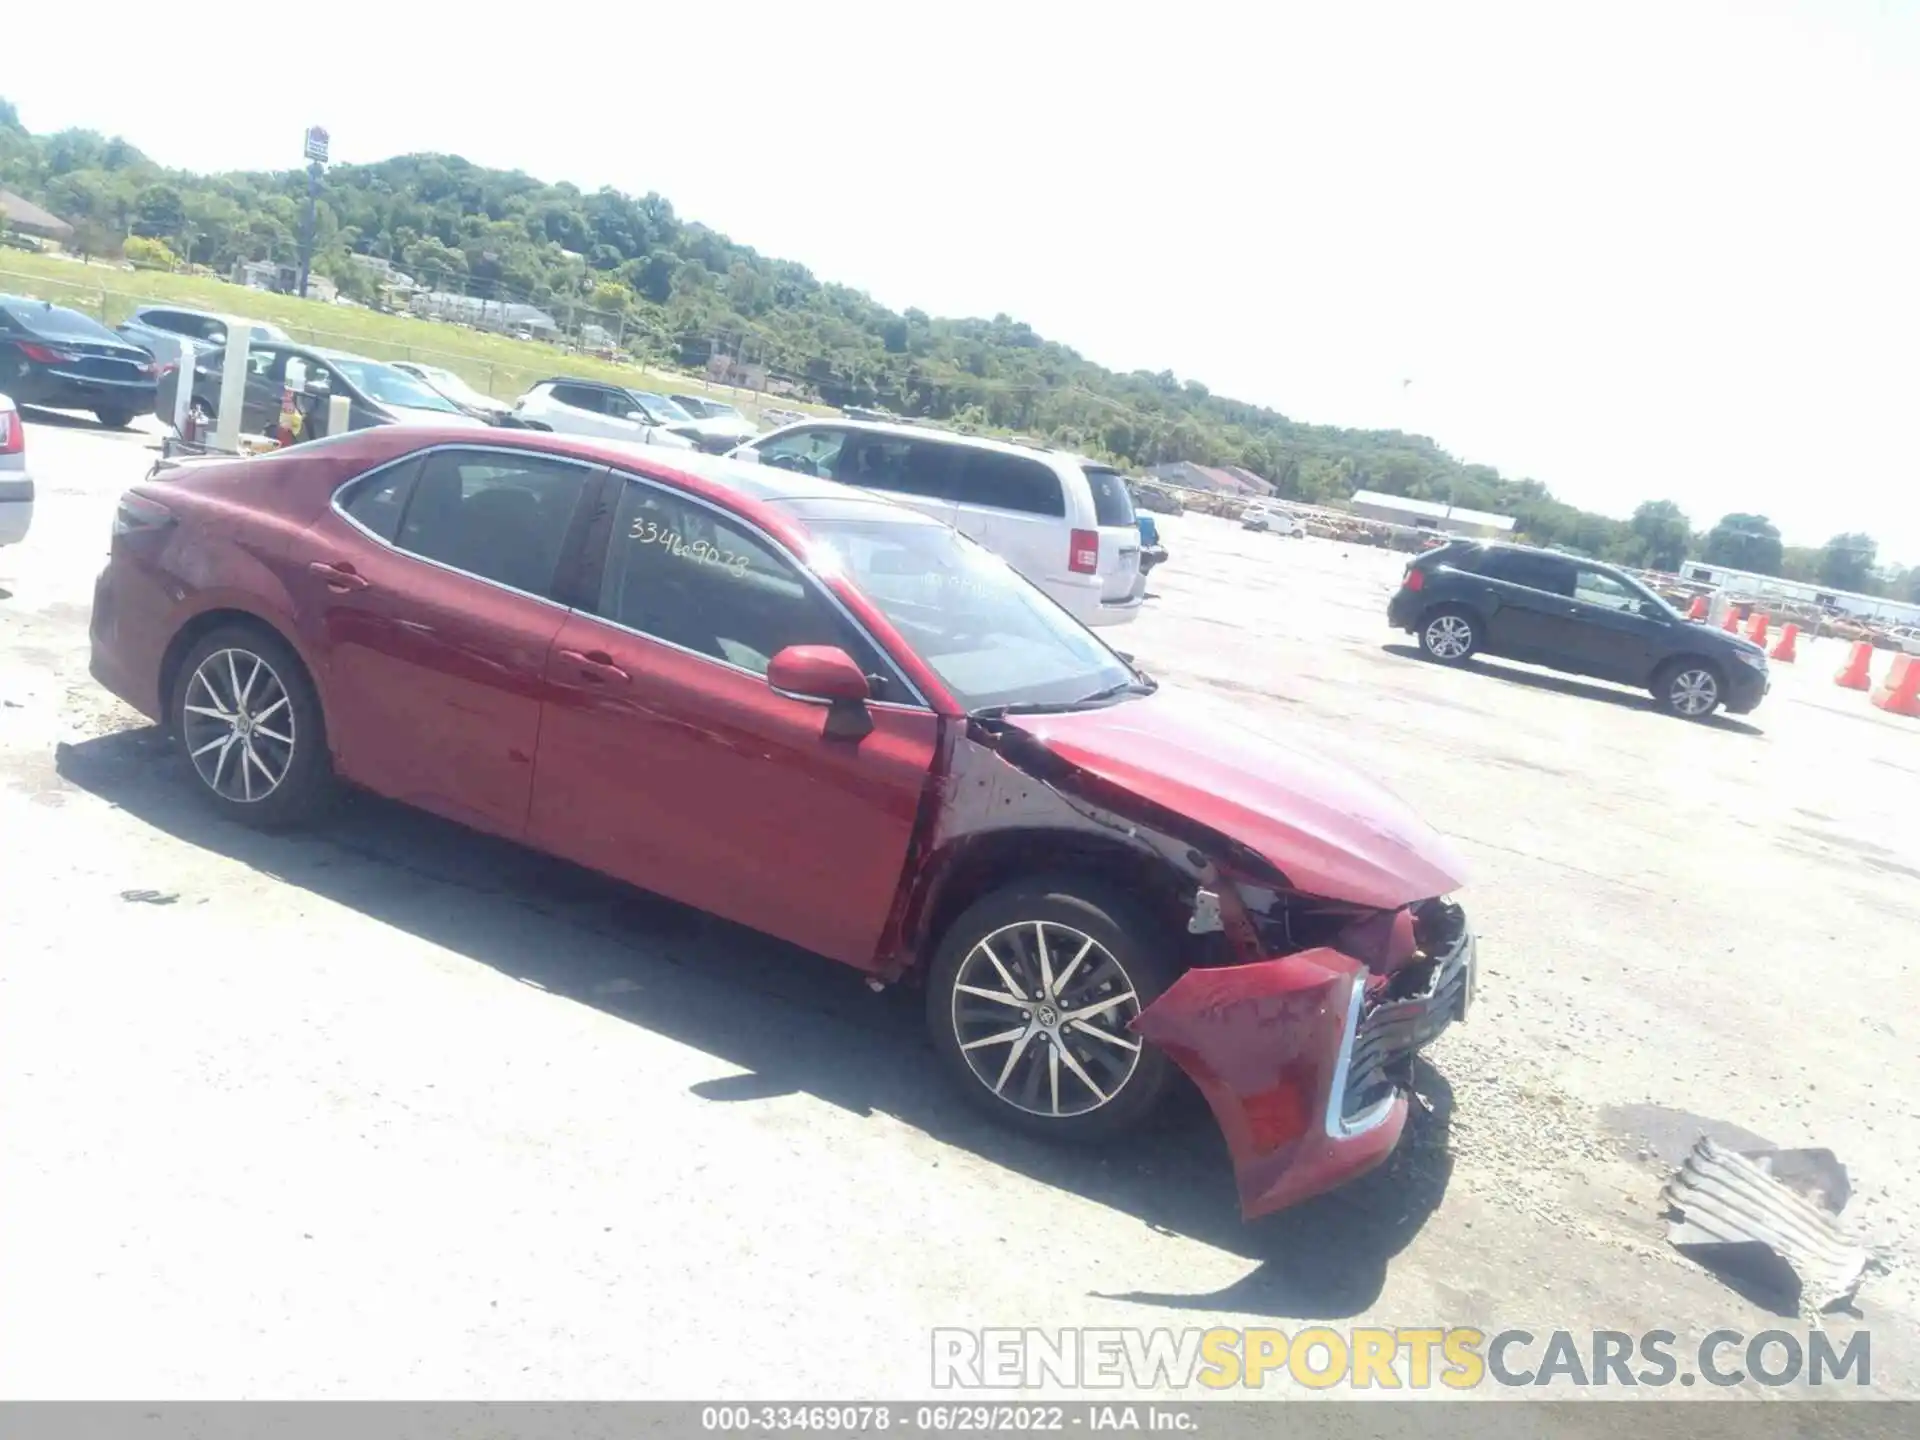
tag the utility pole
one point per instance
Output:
(316, 153)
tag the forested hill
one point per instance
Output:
(675, 288)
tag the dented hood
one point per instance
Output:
(1330, 832)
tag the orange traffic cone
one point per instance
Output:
(1732, 623)
(1698, 609)
(1901, 693)
(1757, 627)
(1783, 647)
(1854, 674)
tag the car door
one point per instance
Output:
(582, 410)
(666, 759)
(1531, 609)
(429, 590)
(1623, 640)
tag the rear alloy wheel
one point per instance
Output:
(1029, 1004)
(249, 723)
(1691, 690)
(1449, 636)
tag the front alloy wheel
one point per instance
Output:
(1040, 1011)
(239, 726)
(1030, 997)
(1694, 692)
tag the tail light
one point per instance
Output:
(13, 435)
(137, 515)
(1416, 579)
(45, 354)
(1083, 552)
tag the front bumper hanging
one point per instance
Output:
(1306, 1059)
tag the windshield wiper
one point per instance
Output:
(1137, 685)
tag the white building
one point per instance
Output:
(1454, 519)
(1771, 587)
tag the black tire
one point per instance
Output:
(114, 419)
(1449, 634)
(1127, 948)
(250, 792)
(1690, 687)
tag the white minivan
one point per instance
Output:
(1064, 522)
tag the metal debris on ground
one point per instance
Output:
(1770, 1216)
(150, 897)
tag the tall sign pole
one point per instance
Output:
(316, 153)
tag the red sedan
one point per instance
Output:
(824, 716)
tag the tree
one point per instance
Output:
(148, 254)
(1846, 561)
(1745, 542)
(1658, 537)
(159, 213)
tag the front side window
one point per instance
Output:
(685, 574)
(989, 635)
(813, 452)
(1598, 588)
(499, 516)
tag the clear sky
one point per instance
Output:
(1633, 249)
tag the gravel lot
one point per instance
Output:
(396, 1111)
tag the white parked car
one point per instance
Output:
(717, 419)
(1274, 519)
(16, 485)
(592, 407)
(1064, 522)
(1907, 637)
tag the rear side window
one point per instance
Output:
(502, 517)
(896, 465)
(1112, 505)
(377, 501)
(584, 397)
(1536, 572)
(1010, 482)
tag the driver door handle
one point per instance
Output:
(339, 575)
(596, 665)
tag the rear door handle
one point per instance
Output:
(339, 575)
(596, 665)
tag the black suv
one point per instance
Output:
(1470, 598)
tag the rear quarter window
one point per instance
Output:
(1112, 505)
(1010, 482)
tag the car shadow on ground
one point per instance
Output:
(793, 1022)
(1567, 685)
(82, 420)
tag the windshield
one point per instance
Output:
(390, 386)
(988, 634)
(659, 407)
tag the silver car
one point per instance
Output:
(16, 485)
(166, 332)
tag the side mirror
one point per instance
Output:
(636, 417)
(825, 672)
(1651, 611)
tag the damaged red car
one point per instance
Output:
(824, 716)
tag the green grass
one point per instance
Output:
(496, 364)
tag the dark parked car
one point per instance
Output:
(827, 717)
(380, 394)
(1467, 598)
(50, 355)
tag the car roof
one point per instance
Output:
(950, 437)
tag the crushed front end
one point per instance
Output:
(1306, 1058)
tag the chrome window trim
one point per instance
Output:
(807, 578)
(589, 466)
